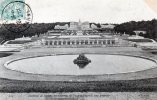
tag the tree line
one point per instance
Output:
(129, 27)
(39, 28)
(34, 29)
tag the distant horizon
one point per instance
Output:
(88, 21)
(97, 22)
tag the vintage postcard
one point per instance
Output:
(78, 49)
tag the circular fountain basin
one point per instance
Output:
(63, 65)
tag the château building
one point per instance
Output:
(64, 27)
(79, 25)
(82, 40)
(78, 34)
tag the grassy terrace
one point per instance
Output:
(5, 54)
(13, 86)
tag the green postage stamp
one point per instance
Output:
(16, 15)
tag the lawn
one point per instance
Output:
(14, 86)
(5, 54)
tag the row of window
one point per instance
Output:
(104, 42)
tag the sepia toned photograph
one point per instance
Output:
(78, 49)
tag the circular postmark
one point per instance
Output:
(17, 16)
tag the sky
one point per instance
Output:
(99, 11)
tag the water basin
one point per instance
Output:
(99, 65)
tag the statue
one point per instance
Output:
(82, 61)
